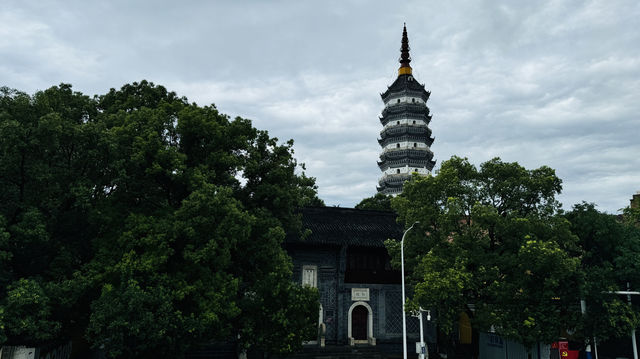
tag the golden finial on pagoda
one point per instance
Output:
(405, 59)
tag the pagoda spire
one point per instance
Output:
(405, 59)
(405, 138)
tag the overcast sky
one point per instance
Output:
(552, 83)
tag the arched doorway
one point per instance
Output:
(359, 323)
(360, 326)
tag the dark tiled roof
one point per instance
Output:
(404, 83)
(347, 226)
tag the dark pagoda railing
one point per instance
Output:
(394, 154)
(384, 165)
(413, 129)
(406, 138)
(404, 107)
(393, 180)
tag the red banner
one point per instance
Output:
(563, 348)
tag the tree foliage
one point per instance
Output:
(611, 260)
(378, 202)
(490, 238)
(146, 224)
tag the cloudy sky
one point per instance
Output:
(552, 83)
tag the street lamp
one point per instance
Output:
(424, 353)
(404, 315)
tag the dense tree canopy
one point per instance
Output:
(489, 238)
(146, 224)
(493, 239)
(378, 202)
(611, 260)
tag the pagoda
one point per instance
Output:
(406, 137)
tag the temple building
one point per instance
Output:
(406, 137)
(343, 253)
(344, 256)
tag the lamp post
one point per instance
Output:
(424, 353)
(583, 311)
(404, 315)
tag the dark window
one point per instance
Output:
(414, 122)
(369, 265)
(397, 145)
(413, 100)
(415, 144)
(398, 171)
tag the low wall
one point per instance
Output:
(492, 346)
(62, 351)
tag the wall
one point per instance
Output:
(326, 259)
(493, 346)
(385, 300)
(17, 352)
(62, 351)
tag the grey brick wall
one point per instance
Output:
(385, 300)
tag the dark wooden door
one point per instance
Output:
(359, 316)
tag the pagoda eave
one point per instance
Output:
(417, 154)
(402, 163)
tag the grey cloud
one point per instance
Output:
(542, 83)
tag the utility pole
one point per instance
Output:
(583, 310)
(633, 330)
(404, 315)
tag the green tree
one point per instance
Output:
(148, 223)
(48, 166)
(28, 313)
(490, 237)
(171, 286)
(378, 202)
(611, 259)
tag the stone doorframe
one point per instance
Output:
(370, 339)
